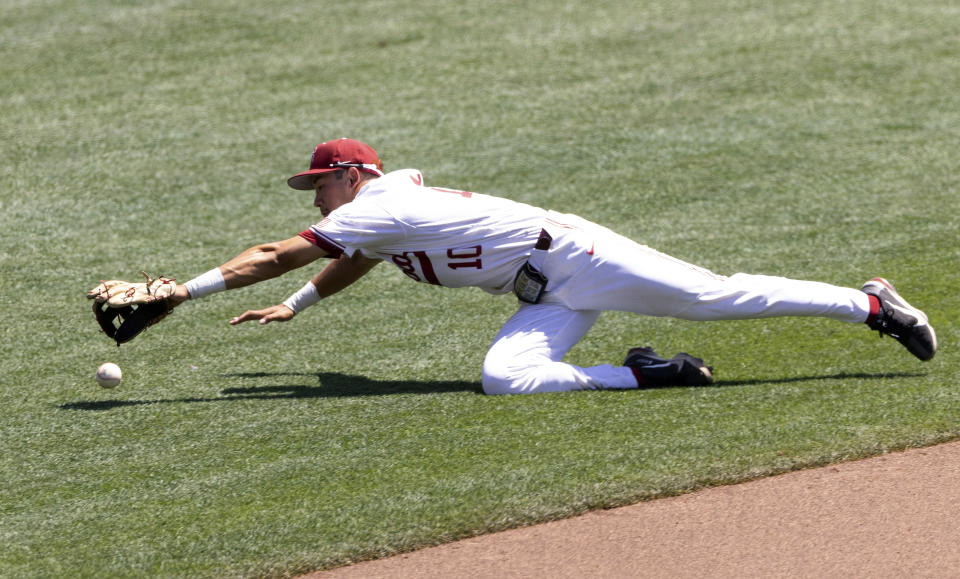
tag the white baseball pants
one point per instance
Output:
(592, 269)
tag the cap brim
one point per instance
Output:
(304, 181)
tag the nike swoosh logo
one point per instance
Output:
(591, 249)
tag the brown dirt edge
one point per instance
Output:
(894, 515)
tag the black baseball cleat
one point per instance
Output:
(900, 320)
(653, 371)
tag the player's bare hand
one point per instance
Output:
(277, 313)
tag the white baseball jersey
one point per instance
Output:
(440, 236)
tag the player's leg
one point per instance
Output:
(628, 276)
(526, 356)
(618, 273)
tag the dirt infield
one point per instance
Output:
(891, 516)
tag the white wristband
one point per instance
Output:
(206, 284)
(303, 299)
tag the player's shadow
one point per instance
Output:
(837, 376)
(333, 385)
(330, 385)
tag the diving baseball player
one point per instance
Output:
(563, 269)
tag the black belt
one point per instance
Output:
(544, 241)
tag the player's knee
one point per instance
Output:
(502, 378)
(496, 379)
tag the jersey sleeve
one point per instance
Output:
(317, 236)
(354, 227)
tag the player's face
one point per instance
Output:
(332, 191)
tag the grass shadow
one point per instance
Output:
(330, 385)
(838, 376)
(334, 385)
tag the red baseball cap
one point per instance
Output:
(334, 155)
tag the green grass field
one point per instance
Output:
(816, 140)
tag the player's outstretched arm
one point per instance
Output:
(124, 309)
(256, 264)
(269, 260)
(337, 275)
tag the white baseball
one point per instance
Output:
(109, 375)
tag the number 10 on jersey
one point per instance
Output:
(418, 266)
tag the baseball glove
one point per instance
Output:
(124, 309)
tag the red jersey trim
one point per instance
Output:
(332, 248)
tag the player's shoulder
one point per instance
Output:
(382, 198)
(401, 178)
